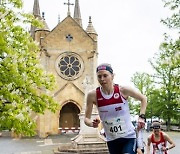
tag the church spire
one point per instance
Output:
(36, 13)
(36, 9)
(77, 13)
(90, 30)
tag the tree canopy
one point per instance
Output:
(163, 96)
(24, 85)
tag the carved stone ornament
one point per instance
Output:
(69, 65)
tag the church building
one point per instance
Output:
(70, 53)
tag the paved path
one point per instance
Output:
(33, 145)
(36, 145)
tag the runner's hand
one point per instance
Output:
(96, 122)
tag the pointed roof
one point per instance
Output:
(36, 13)
(63, 88)
(57, 33)
(36, 9)
(90, 29)
(77, 13)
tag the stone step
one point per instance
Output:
(58, 152)
(82, 151)
(87, 146)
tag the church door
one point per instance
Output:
(69, 116)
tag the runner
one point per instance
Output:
(159, 140)
(111, 101)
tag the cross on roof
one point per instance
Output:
(68, 7)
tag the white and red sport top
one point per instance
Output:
(157, 145)
(115, 115)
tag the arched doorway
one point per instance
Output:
(69, 119)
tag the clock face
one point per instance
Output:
(69, 65)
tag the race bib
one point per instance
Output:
(115, 127)
(159, 150)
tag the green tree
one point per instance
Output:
(23, 83)
(166, 64)
(167, 67)
(162, 88)
(173, 20)
(144, 84)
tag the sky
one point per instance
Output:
(129, 31)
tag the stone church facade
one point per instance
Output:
(70, 53)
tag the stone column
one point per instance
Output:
(83, 128)
(87, 135)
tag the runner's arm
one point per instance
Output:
(172, 144)
(89, 106)
(128, 91)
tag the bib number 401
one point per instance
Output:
(115, 129)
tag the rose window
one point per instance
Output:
(70, 66)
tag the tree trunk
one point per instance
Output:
(168, 124)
